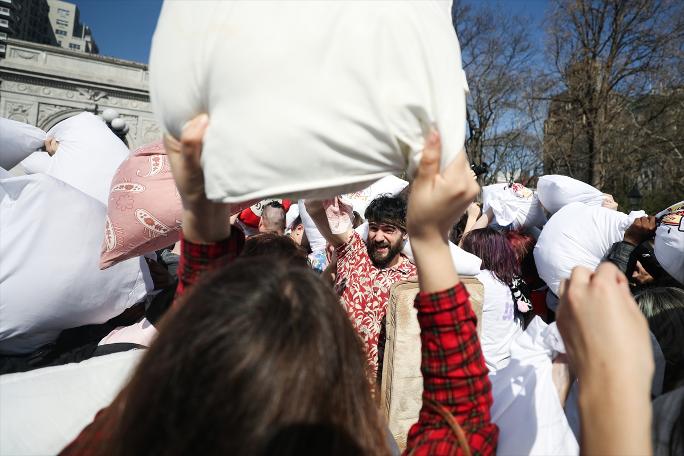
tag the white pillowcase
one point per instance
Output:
(308, 99)
(88, 154)
(59, 401)
(50, 278)
(556, 191)
(669, 240)
(578, 235)
(17, 141)
(514, 205)
(389, 185)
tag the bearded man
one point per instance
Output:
(366, 272)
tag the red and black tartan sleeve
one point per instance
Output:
(197, 259)
(454, 375)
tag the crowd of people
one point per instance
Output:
(147, 309)
(260, 345)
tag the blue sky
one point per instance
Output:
(124, 28)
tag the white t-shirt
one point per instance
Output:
(499, 325)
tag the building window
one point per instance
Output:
(3, 36)
(60, 32)
(74, 46)
(4, 23)
(63, 12)
(4, 11)
(59, 42)
(62, 23)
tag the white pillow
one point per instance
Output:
(389, 185)
(17, 141)
(669, 240)
(308, 99)
(37, 162)
(50, 278)
(316, 240)
(465, 262)
(514, 205)
(88, 154)
(555, 191)
(58, 401)
(578, 235)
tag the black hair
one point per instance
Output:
(387, 209)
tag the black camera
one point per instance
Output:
(480, 169)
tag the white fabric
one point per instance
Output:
(343, 94)
(556, 191)
(389, 185)
(43, 410)
(465, 262)
(291, 216)
(316, 240)
(526, 406)
(578, 235)
(17, 141)
(514, 205)
(669, 241)
(50, 278)
(37, 162)
(88, 154)
(499, 325)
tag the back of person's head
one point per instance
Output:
(387, 209)
(523, 247)
(255, 351)
(496, 253)
(275, 245)
(664, 309)
(273, 218)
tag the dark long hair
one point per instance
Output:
(496, 253)
(255, 351)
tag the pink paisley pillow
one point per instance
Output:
(144, 208)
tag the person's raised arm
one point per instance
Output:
(455, 382)
(203, 221)
(333, 220)
(608, 343)
(437, 201)
(206, 240)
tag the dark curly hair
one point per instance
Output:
(387, 209)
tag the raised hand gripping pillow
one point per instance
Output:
(144, 210)
(49, 257)
(88, 154)
(556, 191)
(17, 141)
(513, 204)
(308, 99)
(578, 235)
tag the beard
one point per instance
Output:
(383, 259)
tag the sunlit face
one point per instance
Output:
(385, 242)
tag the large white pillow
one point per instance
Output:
(578, 235)
(513, 204)
(555, 191)
(50, 279)
(308, 99)
(389, 185)
(88, 154)
(43, 410)
(669, 240)
(17, 141)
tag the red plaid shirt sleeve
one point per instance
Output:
(454, 375)
(197, 259)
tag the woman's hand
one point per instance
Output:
(436, 202)
(203, 221)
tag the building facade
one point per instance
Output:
(26, 20)
(42, 85)
(69, 31)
